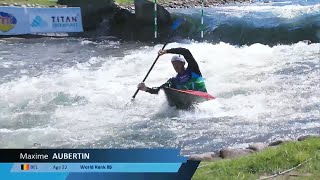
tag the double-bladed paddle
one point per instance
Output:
(174, 26)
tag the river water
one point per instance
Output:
(72, 92)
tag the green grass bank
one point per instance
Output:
(304, 154)
(40, 2)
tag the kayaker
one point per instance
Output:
(189, 78)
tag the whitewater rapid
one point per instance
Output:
(263, 93)
(272, 23)
(75, 92)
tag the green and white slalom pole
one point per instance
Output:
(202, 27)
(155, 20)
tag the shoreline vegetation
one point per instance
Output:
(280, 160)
(30, 3)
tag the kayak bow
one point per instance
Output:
(185, 99)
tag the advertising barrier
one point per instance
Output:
(55, 20)
(19, 20)
(13, 21)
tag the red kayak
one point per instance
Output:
(184, 99)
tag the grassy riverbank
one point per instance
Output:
(125, 2)
(267, 163)
(40, 2)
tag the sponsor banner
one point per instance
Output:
(19, 20)
(13, 21)
(55, 20)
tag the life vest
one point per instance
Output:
(190, 81)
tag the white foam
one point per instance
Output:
(256, 15)
(88, 105)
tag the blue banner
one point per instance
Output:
(19, 20)
(78, 164)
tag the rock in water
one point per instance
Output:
(144, 12)
(232, 153)
(278, 142)
(302, 138)
(209, 156)
(258, 146)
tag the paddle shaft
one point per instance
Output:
(149, 71)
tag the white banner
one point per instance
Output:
(55, 20)
(18, 20)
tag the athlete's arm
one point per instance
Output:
(153, 90)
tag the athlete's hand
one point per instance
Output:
(142, 86)
(162, 52)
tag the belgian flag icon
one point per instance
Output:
(25, 167)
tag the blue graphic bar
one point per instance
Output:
(97, 164)
(93, 167)
(91, 155)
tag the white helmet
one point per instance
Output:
(178, 58)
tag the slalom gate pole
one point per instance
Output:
(202, 27)
(155, 20)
